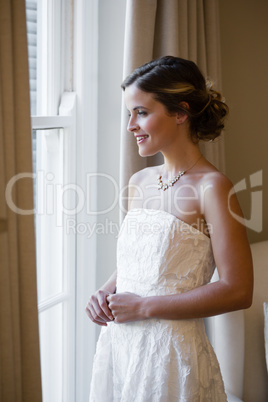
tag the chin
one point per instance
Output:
(146, 152)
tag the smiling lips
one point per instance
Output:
(141, 138)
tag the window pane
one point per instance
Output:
(51, 344)
(54, 196)
(48, 185)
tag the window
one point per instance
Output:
(79, 61)
(53, 124)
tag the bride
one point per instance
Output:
(153, 346)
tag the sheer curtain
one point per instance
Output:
(20, 378)
(154, 28)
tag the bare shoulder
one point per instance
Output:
(217, 182)
(139, 184)
(220, 203)
(143, 175)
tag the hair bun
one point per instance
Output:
(209, 122)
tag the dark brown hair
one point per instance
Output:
(172, 81)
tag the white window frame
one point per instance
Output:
(57, 110)
(66, 121)
(79, 74)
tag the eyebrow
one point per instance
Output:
(139, 107)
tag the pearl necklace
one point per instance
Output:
(170, 183)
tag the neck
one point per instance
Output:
(181, 160)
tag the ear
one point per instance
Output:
(181, 115)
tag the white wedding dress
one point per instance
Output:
(158, 360)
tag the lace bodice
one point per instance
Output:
(159, 254)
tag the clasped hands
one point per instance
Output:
(104, 307)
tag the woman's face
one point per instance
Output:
(153, 127)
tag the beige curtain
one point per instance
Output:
(19, 340)
(184, 28)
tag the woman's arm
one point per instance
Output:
(233, 290)
(97, 307)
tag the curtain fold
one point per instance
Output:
(20, 378)
(182, 28)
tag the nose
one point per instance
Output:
(132, 125)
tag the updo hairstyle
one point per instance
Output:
(173, 80)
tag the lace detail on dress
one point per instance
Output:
(158, 360)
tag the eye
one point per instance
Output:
(141, 113)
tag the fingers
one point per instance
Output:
(114, 303)
(104, 304)
(95, 320)
(104, 307)
(97, 308)
(120, 315)
(125, 307)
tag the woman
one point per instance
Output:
(178, 228)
